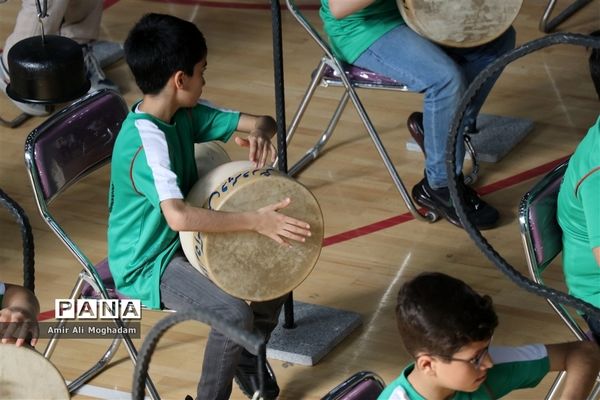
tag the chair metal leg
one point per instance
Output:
(314, 151)
(305, 100)
(595, 394)
(548, 25)
(75, 293)
(105, 360)
(553, 392)
(106, 357)
(556, 385)
(429, 216)
(16, 121)
(472, 177)
(96, 368)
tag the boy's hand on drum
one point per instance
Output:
(261, 149)
(260, 129)
(280, 227)
(16, 325)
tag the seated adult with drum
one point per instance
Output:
(19, 309)
(372, 34)
(579, 218)
(153, 169)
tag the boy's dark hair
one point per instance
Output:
(158, 46)
(438, 315)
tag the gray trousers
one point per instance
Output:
(183, 288)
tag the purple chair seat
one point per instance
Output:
(88, 291)
(363, 385)
(360, 76)
(365, 390)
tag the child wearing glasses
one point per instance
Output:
(447, 328)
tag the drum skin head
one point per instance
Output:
(459, 23)
(249, 265)
(26, 374)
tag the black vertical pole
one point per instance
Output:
(281, 125)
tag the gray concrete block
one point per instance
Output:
(497, 136)
(318, 330)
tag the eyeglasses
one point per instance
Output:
(476, 361)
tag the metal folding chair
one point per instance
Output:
(542, 240)
(331, 72)
(363, 385)
(547, 25)
(59, 153)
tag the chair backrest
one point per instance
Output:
(542, 235)
(363, 385)
(540, 231)
(69, 146)
(314, 34)
(74, 142)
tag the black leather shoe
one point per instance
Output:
(482, 215)
(246, 376)
(415, 128)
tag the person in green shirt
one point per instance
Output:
(447, 328)
(153, 169)
(372, 34)
(578, 213)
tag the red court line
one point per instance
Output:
(365, 230)
(46, 315)
(523, 176)
(109, 3)
(400, 219)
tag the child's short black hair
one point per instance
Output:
(438, 315)
(158, 46)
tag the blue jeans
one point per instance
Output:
(443, 74)
(182, 288)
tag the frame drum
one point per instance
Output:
(26, 374)
(208, 155)
(459, 23)
(246, 264)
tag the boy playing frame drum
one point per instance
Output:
(153, 169)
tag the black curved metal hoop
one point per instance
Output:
(474, 233)
(26, 238)
(251, 341)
